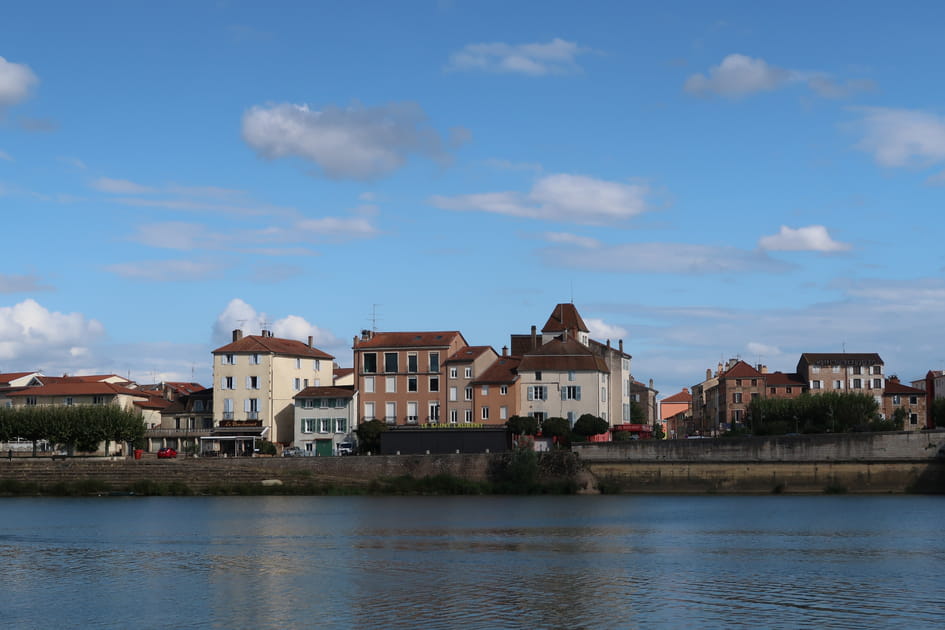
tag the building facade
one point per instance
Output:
(325, 417)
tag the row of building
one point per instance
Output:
(722, 401)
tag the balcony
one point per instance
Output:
(227, 415)
(252, 415)
(163, 433)
(412, 419)
(390, 419)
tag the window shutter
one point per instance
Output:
(531, 393)
(246, 405)
(563, 391)
(578, 390)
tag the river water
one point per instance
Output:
(473, 562)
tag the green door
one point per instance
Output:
(323, 447)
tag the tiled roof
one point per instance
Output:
(469, 353)
(326, 392)
(569, 355)
(73, 388)
(272, 345)
(893, 387)
(342, 372)
(682, 397)
(741, 370)
(840, 357)
(430, 339)
(792, 379)
(602, 347)
(185, 388)
(12, 376)
(564, 317)
(153, 403)
(502, 370)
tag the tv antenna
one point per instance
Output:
(374, 317)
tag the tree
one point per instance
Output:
(369, 436)
(637, 414)
(938, 412)
(588, 425)
(558, 428)
(658, 433)
(522, 425)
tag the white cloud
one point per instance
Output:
(352, 143)
(168, 270)
(683, 258)
(902, 137)
(555, 57)
(738, 75)
(764, 350)
(120, 186)
(561, 197)
(566, 238)
(601, 330)
(16, 81)
(21, 284)
(31, 334)
(239, 315)
(813, 238)
(354, 227)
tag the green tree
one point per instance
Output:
(558, 428)
(658, 433)
(637, 413)
(938, 412)
(522, 425)
(589, 424)
(369, 436)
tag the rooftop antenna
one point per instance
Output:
(572, 292)
(265, 326)
(374, 317)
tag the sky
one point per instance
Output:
(703, 180)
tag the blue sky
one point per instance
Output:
(703, 180)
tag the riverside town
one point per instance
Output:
(550, 391)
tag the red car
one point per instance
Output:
(167, 453)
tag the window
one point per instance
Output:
(325, 403)
(816, 384)
(434, 412)
(369, 384)
(754, 382)
(756, 395)
(537, 376)
(412, 362)
(454, 416)
(897, 399)
(485, 390)
(467, 416)
(570, 419)
(603, 394)
(815, 369)
(571, 392)
(296, 384)
(789, 389)
(307, 403)
(252, 382)
(626, 412)
(298, 363)
(254, 359)
(503, 413)
(227, 383)
(736, 415)
(468, 372)
(774, 390)
(98, 400)
(434, 383)
(368, 411)
(877, 369)
(485, 413)
(411, 383)
(434, 361)
(857, 369)
(452, 393)
(324, 425)
(412, 413)
(369, 362)
(835, 369)
(504, 390)
(341, 425)
(316, 365)
(913, 400)
(228, 359)
(857, 383)
(69, 401)
(736, 397)
(537, 392)
(467, 393)
(913, 418)
(541, 416)
(251, 407)
(390, 384)
(390, 412)
(308, 425)
(738, 382)
(227, 408)
(571, 375)
(390, 361)
(838, 384)
(304, 383)
(877, 383)
(340, 403)
(453, 372)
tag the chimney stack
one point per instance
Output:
(534, 337)
(310, 341)
(651, 383)
(620, 345)
(505, 351)
(237, 334)
(708, 373)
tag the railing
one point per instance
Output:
(412, 419)
(227, 415)
(154, 433)
(367, 418)
(390, 419)
(252, 415)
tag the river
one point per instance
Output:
(473, 562)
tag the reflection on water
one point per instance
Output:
(473, 562)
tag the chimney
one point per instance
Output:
(763, 369)
(651, 383)
(534, 337)
(719, 371)
(237, 334)
(620, 345)
(505, 351)
(608, 344)
(708, 373)
(309, 341)
(354, 342)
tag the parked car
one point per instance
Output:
(346, 448)
(293, 451)
(166, 453)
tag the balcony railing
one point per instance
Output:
(390, 419)
(227, 415)
(158, 432)
(252, 415)
(412, 419)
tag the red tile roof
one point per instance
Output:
(682, 397)
(272, 345)
(342, 372)
(741, 370)
(502, 370)
(894, 387)
(12, 376)
(469, 353)
(780, 378)
(434, 339)
(564, 356)
(153, 403)
(79, 388)
(839, 358)
(565, 317)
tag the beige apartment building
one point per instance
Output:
(256, 377)
(859, 373)
(497, 389)
(462, 368)
(401, 377)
